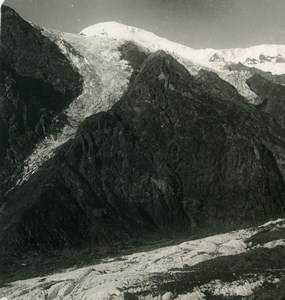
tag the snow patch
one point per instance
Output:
(274, 244)
(274, 222)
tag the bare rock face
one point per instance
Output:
(217, 58)
(171, 156)
(36, 83)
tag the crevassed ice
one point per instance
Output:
(133, 273)
(105, 77)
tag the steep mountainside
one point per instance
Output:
(36, 83)
(170, 154)
(272, 94)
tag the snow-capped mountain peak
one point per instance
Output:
(145, 39)
(265, 57)
(118, 31)
(268, 58)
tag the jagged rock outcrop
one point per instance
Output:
(217, 58)
(170, 156)
(251, 61)
(267, 58)
(36, 83)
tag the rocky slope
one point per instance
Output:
(273, 96)
(36, 83)
(172, 153)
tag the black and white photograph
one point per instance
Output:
(142, 150)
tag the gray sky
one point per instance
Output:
(196, 23)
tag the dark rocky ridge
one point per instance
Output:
(267, 75)
(36, 83)
(269, 89)
(209, 83)
(173, 155)
(273, 96)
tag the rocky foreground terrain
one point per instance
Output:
(116, 140)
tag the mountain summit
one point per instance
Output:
(266, 57)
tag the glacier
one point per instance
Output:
(105, 78)
(112, 278)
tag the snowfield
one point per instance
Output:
(113, 278)
(196, 59)
(153, 42)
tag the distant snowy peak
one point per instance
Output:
(144, 38)
(274, 54)
(118, 31)
(268, 58)
(265, 57)
(259, 53)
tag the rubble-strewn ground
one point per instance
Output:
(244, 264)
